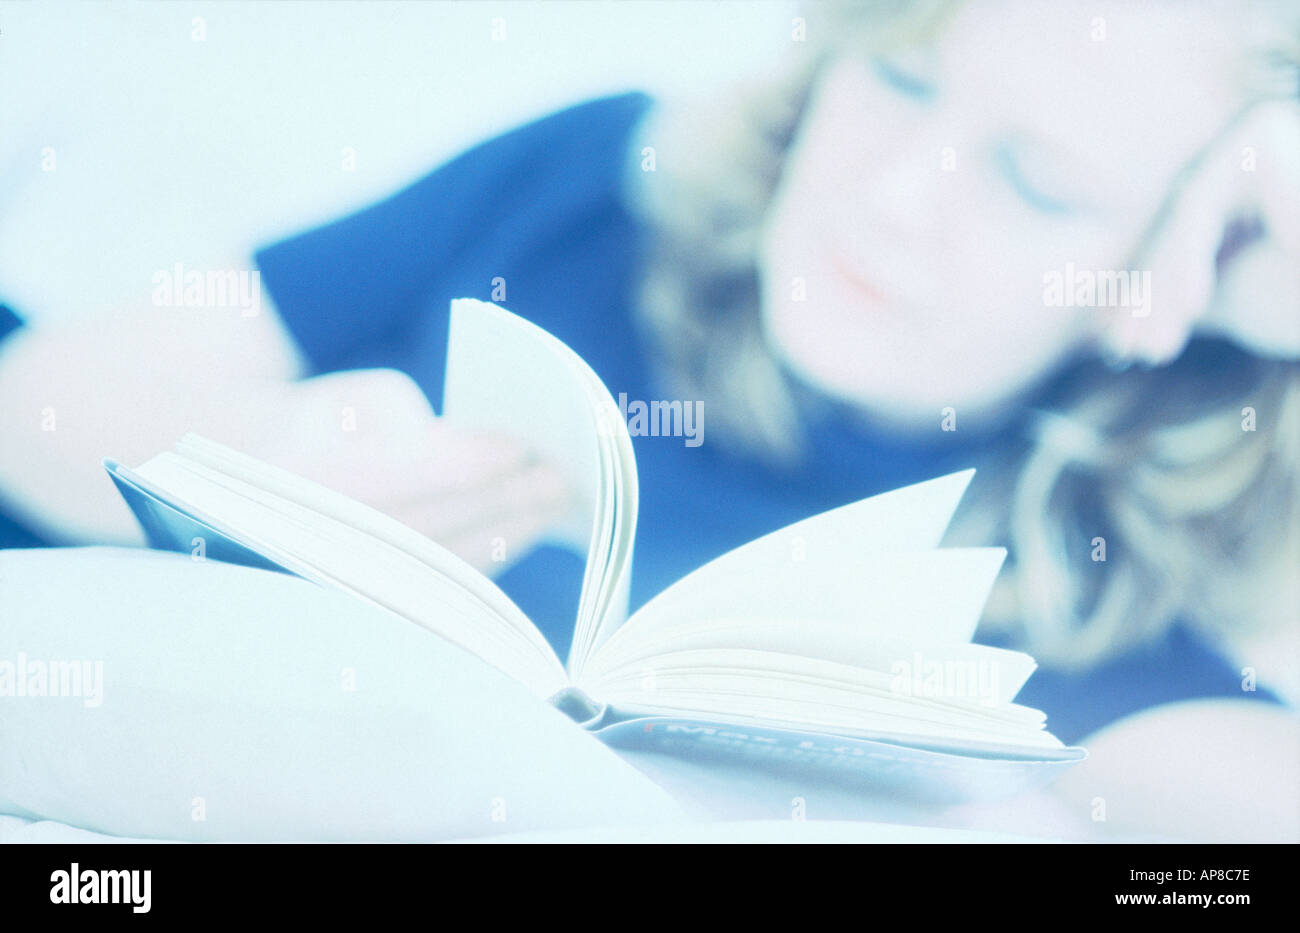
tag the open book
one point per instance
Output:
(840, 643)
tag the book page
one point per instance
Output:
(321, 503)
(413, 581)
(875, 562)
(852, 622)
(960, 704)
(507, 375)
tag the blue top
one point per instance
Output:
(12, 532)
(541, 208)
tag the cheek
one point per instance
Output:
(983, 333)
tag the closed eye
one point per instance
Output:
(1010, 168)
(908, 83)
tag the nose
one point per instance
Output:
(900, 194)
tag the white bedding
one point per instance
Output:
(18, 830)
(222, 715)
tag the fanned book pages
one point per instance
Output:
(840, 644)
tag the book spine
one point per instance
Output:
(579, 707)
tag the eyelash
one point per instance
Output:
(1038, 200)
(921, 90)
(906, 84)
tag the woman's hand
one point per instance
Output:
(372, 435)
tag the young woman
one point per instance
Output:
(870, 268)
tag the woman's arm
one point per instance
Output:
(128, 384)
(125, 384)
(1202, 771)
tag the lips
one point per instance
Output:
(859, 283)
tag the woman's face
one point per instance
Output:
(928, 198)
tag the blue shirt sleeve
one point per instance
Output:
(9, 322)
(358, 281)
(12, 532)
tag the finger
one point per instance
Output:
(399, 475)
(493, 550)
(456, 460)
(537, 492)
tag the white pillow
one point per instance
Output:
(224, 714)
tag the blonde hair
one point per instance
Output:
(1197, 515)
